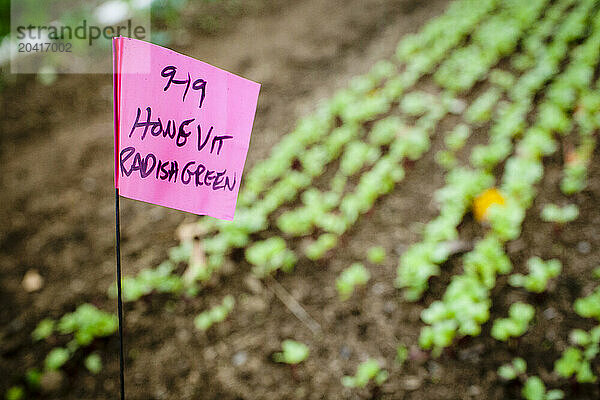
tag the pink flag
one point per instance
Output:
(182, 129)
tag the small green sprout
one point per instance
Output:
(181, 253)
(87, 323)
(437, 336)
(487, 260)
(456, 139)
(417, 265)
(577, 360)
(317, 249)
(580, 337)
(540, 272)
(401, 354)
(15, 393)
(446, 159)
(574, 179)
(385, 131)
(574, 362)
(160, 279)
(293, 352)
(376, 255)
(365, 372)
(356, 156)
(463, 309)
(554, 118)
(44, 329)
(589, 306)
(296, 222)
(206, 319)
(481, 109)
(506, 219)
(511, 371)
(351, 277)
(93, 363)
(522, 62)
(534, 389)
(520, 314)
(33, 376)
(560, 215)
(270, 255)
(501, 78)
(416, 103)
(56, 358)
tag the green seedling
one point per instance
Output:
(56, 358)
(15, 393)
(417, 143)
(86, 324)
(160, 280)
(356, 156)
(487, 260)
(511, 371)
(292, 352)
(93, 363)
(534, 389)
(446, 159)
(44, 329)
(181, 253)
(537, 143)
(270, 255)
(463, 309)
(520, 314)
(317, 249)
(456, 139)
(521, 174)
(575, 362)
(33, 376)
(540, 272)
(438, 336)
(560, 215)
(416, 103)
(386, 130)
(298, 222)
(501, 78)
(438, 231)
(577, 359)
(401, 354)
(574, 179)
(506, 219)
(206, 319)
(589, 306)
(376, 255)
(481, 109)
(367, 371)
(553, 118)
(522, 62)
(486, 157)
(355, 275)
(332, 223)
(417, 265)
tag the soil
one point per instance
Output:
(58, 218)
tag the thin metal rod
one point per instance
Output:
(119, 299)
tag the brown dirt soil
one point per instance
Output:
(57, 217)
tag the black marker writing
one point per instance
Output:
(193, 172)
(199, 84)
